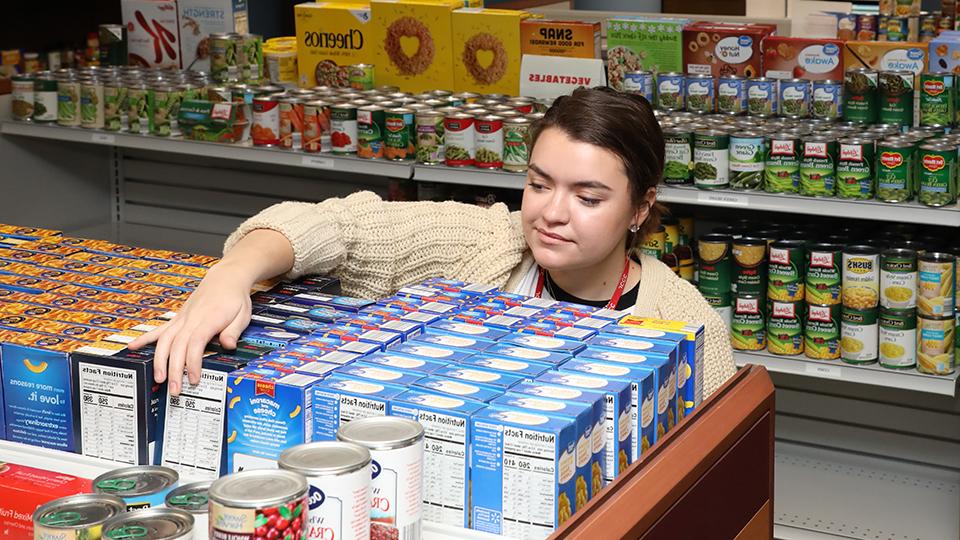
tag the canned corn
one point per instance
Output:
(859, 335)
(898, 338)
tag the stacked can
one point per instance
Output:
(860, 295)
(785, 290)
(898, 309)
(936, 305)
(822, 280)
(748, 327)
(716, 267)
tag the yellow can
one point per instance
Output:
(935, 345)
(672, 229)
(653, 244)
(686, 231)
(936, 291)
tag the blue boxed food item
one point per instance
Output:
(496, 380)
(514, 352)
(522, 368)
(342, 303)
(421, 317)
(438, 354)
(446, 466)
(403, 362)
(407, 329)
(593, 323)
(484, 318)
(547, 343)
(269, 337)
(554, 329)
(374, 372)
(447, 326)
(451, 341)
(338, 400)
(458, 388)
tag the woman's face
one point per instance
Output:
(576, 204)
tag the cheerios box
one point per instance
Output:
(330, 37)
(643, 43)
(519, 457)
(446, 468)
(338, 400)
(486, 50)
(412, 43)
(806, 58)
(886, 55)
(719, 49)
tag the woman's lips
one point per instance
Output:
(551, 238)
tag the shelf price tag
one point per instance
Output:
(318, 162)
(104, 138)
(823, 370)
(721, 198)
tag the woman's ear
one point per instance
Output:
(649, 199)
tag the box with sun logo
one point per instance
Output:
(486, 50)
(412, 42)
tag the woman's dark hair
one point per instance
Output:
(621, 123)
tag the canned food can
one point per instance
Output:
(859, 333)
(115, 106)
(898, 338)
(360, 76)
(160, 101)
(823, 275)
(895, 170)
(654, 244)
(488, 142)
(291, 122)
(827, 100)
(76, 516)
(242, 502)
(748, 329)
(22, 98)
(936, 289)
(678, 155)
(113, 44)
(794, 98)
(458, 132)
(782, 163)
(895, 95)
(223, 58)
(762, 97)
(68, 102)
(937, 98)
(821, 332)
(750, 266)
(238, 70)
(732, 95)
(818, 161)
(339, 497)
(711, 157)
(898, 29)
(747, 156)
(251, 59)
(138, 112)
(860, 96)
(937, 174)
(855, 168)
(670, 91)
(716, 267)
(516, 144)
(700, 93)
(266, 121)
(371, 131)
(936, 345)
(152, 524)
(525, 105)
(45, 98)
(316, 125)
(898, 278)
(785, 282)
(785, 328)
(861, 277)
(640, 83)
(192, 498)
(142, 486)
(343, 129)
(396, 450)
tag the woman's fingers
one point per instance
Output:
(163, 349)
(231, 334)
(148, 338)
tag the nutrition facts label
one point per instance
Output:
(193, 427)
(109, 413)
(529, 485)
(444, 472)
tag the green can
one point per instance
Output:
(400, 134)
(711, 159)
(818, 160)
(91, 104)
(895, 170)
(747, 156)
(898, 278)
(937, 178)
(114, 106)
(223, 58)
(895, 94)
(937, 98)
(45, 98)
(750, 266)
(748, 327)
(786, 271)
(360, 76)
(855, 168)
(678, 155)
(821, 332)
(160, 101)
(782, 163)
(138, 113)
(898, 338)
(716, 267)
(68, 102)
(371, 122)
(251, 58)
(858, 335)
(823, 276)
(860, 96)
(785, 328)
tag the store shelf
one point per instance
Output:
(469, 176)
(239, 152)
(828, 494)
(837, 370)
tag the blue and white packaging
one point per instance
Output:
(452, 342)
(593, 323)
(523, 368)
(457, 328)
(496, 380)
(515, 352)
(545, 343)
(38, 397)
(373, 372)
(458, 388)
(421, 317)
(407, 329)
(277, 338)
(403, 362)
(338, 400)
(432, 352)
(361, 348)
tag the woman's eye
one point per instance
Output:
(535, 186)
(589, 202)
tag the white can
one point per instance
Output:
(339, 476)
(192, 498)
(396, 449)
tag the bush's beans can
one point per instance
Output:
(640, 83)
(858, 335)
(861, 277)
(895, 95)
(823, 275)
(821, 332)
(339, 498)
(748, 329)
(785, 328)
(936, 290)
(855, 168)
(860, 96)
(937, 175)
(143, 486)
(516, 141)
(898, 338)
(732, 95)
(785, 271)
(152, 524)
(937, 98)
(396, 449)
(827, 99)
(936, 345)
(895, 170)
(716, 268)
(794, 98)
(458, 139)
(429, 127)
(750, 266)
(678, 155)
(670, 91)
(488, 142)
(747, 155)
(316, 124)
(343, 129)
(700, 93)
(399, 137)
(45, 98)
(762, 97)
(898, 278)
(782, 163)
(711, 157)
(76, 516)
(270, 500)
(193, 498)
(371, 125)
(818, 159)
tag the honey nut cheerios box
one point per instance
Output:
(572, 39)
(486, 50)
(330, 37)
(412, 42)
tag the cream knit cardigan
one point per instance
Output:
(377, 247)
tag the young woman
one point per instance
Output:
(590, 197)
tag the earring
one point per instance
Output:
(634, 228)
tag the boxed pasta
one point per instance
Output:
(338, 400)
(720, 49)
(486, 50)
(643, 44)
(572, 39)
(412, 43)
(886, 55)
(330, 37)
(806, 58)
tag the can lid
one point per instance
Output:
(937, 256)
(190, 497)
(134, 481)
(789, 243)
(325, 458)
(150, 524)
(861, 250)
(899, 252)
(716, 238)
(250, 489)
(78, 511)
(824, 246)
(381, 432)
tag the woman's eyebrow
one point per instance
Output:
(580, 184)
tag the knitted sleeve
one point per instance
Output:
(376, 247)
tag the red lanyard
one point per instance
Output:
(614, 300)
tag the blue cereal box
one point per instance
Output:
(461, 389)
(38, 397)
(341, 303)
(523, 368)
(374, 372)
(446, 467)
(496, 380)
(515, 352)
(453, 341)
(547, 343)
(644, 422)
(456, 328)
(523, 468)
(268, 412)
(338, 400)
(432, 352)
(618, 446)
(403, 362)
(589, 479)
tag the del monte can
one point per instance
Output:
(937, 98)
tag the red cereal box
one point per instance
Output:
(720, 49)
(802, 58)
(23, 489)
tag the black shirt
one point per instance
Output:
(627, 300)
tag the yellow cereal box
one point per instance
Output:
(412, 40)
(573, 39)
(330, 37)
(486, 50)
(886, 55)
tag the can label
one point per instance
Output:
(515, 146)
(855, 170)
(732, 96)
(397, 492)
(640, 83)
(670, 91)
(795, 98)
(895, 92)
(826, 99)
(894, 173)
(711, 155)
(751, 268)
(762, 97)
(817, 168)
(898, 282)
(22, 99)
(266, 123)
(399, 136)
(786, 283)
(458, 141)
(937, 99)
(228, 523)
(159, 103)
(316, 123)
(370, 133)
(785, 328)
(45, 105)
(91, 106)
(339, 506)
(489, 144)
(699, 95)
(114, 111)
(715, 270)
(898, 338)
(223, 56)
(860, 97)
(654, 244)
(936, 289)
(822, 332)
(360, 77)
(937, 181)
(678, 157)
(859, 334)
(137, 111)
(343, 130)
(746, 161)
(782, 165)
(935, 345)
(861, 281)
(823, 277)
(291, 124)
(748, 329)
(68, 103)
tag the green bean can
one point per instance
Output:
(716, 267)
(160, 100)
(785, 328)
(937, 178)
(858, 335)
(937, 98)
(898, 278)
(223, 58)
(748, 328)
(91, 104)
(897, 338)
(251, 58)
(138, 114)
(860, 96)
(786, 271)
(855, 168)
(750, 266)
(746, 160)
(895, 170)
(516, 143)
(782, 163)
(711, 158)
(114, 106)
(68, 101)
(895, 94)
(823, 276)
(678, 155)
(821, 332)
(818, 160)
